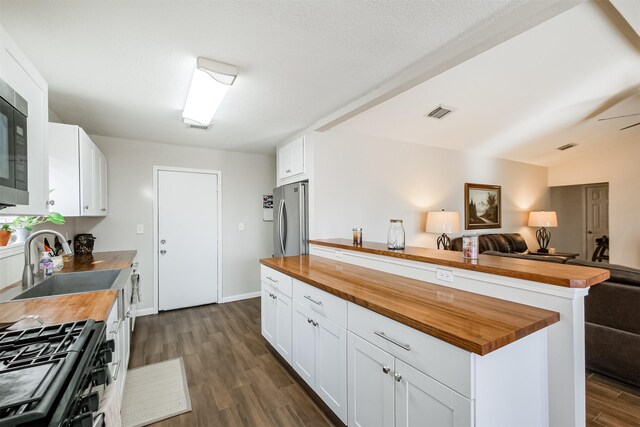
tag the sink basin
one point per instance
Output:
(72, 283)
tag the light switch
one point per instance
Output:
(140, 229)
(241, 226)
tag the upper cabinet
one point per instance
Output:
(77, 172)
(19, 73)
(291, 160)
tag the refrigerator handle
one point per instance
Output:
(281, 224)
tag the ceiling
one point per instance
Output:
(522, 99)
(122, 68)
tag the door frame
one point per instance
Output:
(156, 281)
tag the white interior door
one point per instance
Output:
(597, 216)
(187, 204)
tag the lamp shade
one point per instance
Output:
(543, 219)
(443, 222)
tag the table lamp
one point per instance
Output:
(543, 219)
(443, 222)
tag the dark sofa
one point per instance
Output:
(612, 319)
(500, 242)
(612, 328)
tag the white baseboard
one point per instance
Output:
(240, 297)
(146, 312)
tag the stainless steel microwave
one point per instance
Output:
(14, 181)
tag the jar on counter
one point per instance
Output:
(470, 246)
(357, 236)
(395, 235)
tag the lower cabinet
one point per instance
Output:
(385, 391)
(319, 357)
(276, 320)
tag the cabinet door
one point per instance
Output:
(283, 326)
(421, 401)
(284, 161)
(268, 314)
(297, 157)
(370, 384)
(87, 161)
(304, 353)
(103, 184)
(331, 365)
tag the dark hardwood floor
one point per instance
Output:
(234, 380)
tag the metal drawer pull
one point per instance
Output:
(115, 375)
(386, 369)
(272, 279)
(314, 323)
(309, 320)
(397, 376)
(399, 344)
(312, 300)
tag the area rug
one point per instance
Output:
(155, 392)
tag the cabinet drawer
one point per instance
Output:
(448, 364)
(329, 306)
(278, 280)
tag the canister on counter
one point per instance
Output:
(357, 236)
(470, 246)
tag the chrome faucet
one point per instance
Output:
(27, 273)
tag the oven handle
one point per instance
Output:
(115, 375)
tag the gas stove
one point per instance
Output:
(48, 374)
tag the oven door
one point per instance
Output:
(7, 146)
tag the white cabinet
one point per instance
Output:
(18, 72)
(276, 320)
(320, 347)
(291, 159)
(77, 172)
(385, 391)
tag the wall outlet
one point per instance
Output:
(241, 226)
(140, 229)
(444, 275)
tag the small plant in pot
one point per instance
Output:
(5, 234)
(23, 225)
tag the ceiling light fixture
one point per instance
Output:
(210, 83)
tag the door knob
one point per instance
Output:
(589, 232)
(163, 252)
(163, 241)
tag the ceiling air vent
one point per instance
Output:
(567, 146)
(440, 112)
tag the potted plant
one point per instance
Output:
(5, 234)
(23, 225)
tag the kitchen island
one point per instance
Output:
(382, 349)
(559, 288)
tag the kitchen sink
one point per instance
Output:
(72, 283)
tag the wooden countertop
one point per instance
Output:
(571, 276)
(114, 260)
(60, 309)
(473, 322)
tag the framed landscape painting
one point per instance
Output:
(483, 206)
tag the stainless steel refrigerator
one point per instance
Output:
(290, 220)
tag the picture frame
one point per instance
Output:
(482, 206)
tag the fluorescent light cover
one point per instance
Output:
(210, 83)
(543, 219)
(443, 222)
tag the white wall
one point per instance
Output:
(364, 181)
(616, 164)
(245, 178)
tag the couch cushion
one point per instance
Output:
(501, 242)
(615, 305)
(619, 273)
(531, 257)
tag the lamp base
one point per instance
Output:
(543, 237)
(543, 250)
(444, 241)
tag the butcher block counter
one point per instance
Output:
(473, 322)
(114, 260)
(554, 274)
(60, 309)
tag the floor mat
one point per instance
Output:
(155, 392)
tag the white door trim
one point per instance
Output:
(156, 282)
